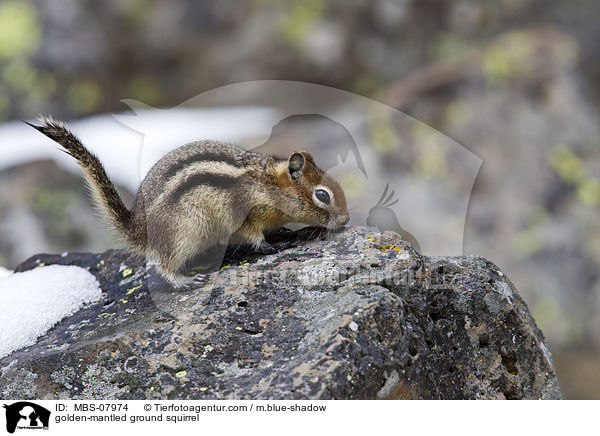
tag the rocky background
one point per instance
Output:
(517, 82)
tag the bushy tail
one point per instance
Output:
(105, 193)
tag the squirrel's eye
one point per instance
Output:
(322, 196)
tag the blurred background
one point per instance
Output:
(515, 82)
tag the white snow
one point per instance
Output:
(128, 145)
(4, 272)
(32, 302)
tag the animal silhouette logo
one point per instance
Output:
(384, 218)
(26, 415)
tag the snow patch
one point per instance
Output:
(128, 145)
(4, 272)
(32, 302)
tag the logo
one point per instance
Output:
(26, 415)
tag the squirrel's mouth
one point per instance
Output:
(338, 222)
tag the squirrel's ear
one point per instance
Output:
(296, 164)
(307, 156)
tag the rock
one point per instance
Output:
(351, 315)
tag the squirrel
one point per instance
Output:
(205, 191)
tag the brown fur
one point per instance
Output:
(206, 192)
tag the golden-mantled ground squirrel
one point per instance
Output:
(204, 192)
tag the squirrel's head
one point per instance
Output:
(323, 202)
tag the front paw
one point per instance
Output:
(194, 282)
(266, 248)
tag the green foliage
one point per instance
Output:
(19, 75)
(55, 206)
(383, 136)
(20, 30)
(145, 89)
(550, 316)
(353, 183)
(509, 56)
(431, 159)
(139, 12)
(449, 46)
(52, 201)
(588, 192)
(566, 163)
(22, 85)
(300, 18)
(366, 84)
(458, 113)
(84, 96)
(571, 168)
(528, 241)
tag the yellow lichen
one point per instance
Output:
(132, 290)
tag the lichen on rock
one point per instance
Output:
(350, 315)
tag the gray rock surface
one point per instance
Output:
(350, 315)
